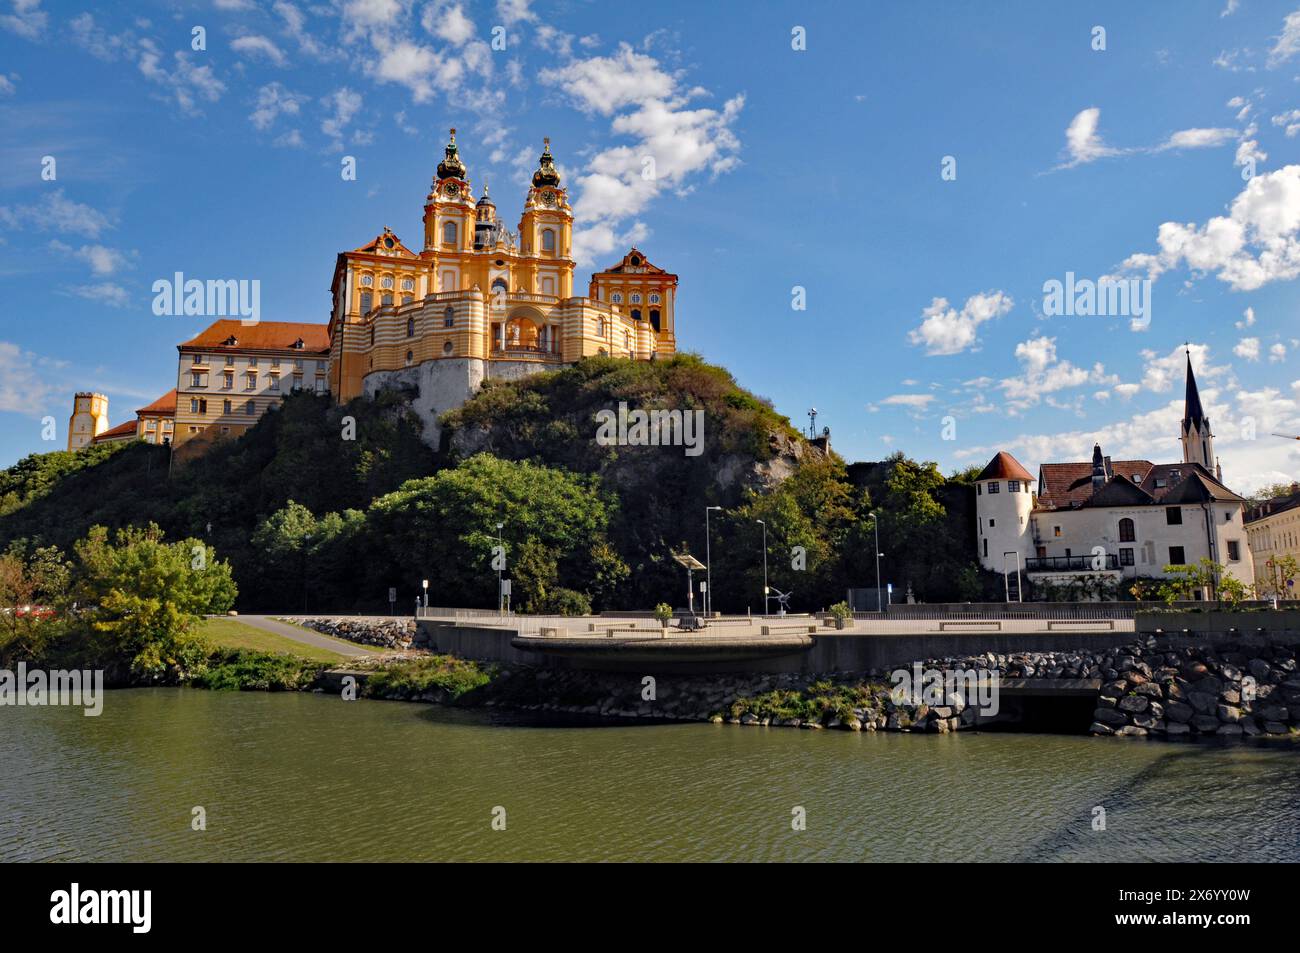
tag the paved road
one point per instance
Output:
(304, 636)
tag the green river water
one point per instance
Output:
(311, 777)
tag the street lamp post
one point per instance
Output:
(765, 595)
(500, 555)
(708, 563)
(875, 526)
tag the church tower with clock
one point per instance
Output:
(478, 300)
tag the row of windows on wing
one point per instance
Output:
(1013, 486)
(199, 405)
(634, 298)
(451, 236)
(253, 361)
(368, 281)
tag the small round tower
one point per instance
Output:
(1004, 500)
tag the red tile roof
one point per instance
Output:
(164, 406)
(1069, 485)
(119, 432)
(263, 336)
(1063, 485)
(1004, 466)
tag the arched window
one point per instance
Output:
(367, 300)
(1126, 530)
(410, 327)
(410, 356)
(600, 327)
(548, 239)
(654, 319)
(636, 314)
(449, 318)
(449, 233)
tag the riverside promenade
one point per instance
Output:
(792, 643)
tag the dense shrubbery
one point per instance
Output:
(443, 673)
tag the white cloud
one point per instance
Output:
(274, 100)
(254, 45)
(1043, 374)
(22, 389)
(1247, 319)
(605, 85)
(28, 20)
(1082, 141)
(7, 84)
(1161, 372)
(1257, 242)
(1277, 353)
(55, 212)
(1290, 120)
(670, 143)
(511, 12)
(945, 330)
(113, 295)
(186, 82)
(1197, 139)
(102, 259)
(913, 401)
(1288, 42)
(344, 103)
(1230, 9)
(1247, 349)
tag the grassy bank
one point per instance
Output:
(233, 634)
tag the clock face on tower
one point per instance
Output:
(451, 190)
(548, 199)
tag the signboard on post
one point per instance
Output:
(392, 599)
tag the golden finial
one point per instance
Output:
(453, 133)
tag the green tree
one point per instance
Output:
(146, 595)
(30, 576)
(444, 528)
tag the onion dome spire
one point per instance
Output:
(546, 174)
(451, 167)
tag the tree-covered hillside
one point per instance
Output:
(326, 507)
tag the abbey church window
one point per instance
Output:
(616, 297)
(449, 233)
(636, 299)
(654, 299)
(548, 240)
(449, 318)
(410, 327)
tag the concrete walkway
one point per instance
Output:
(305, 636)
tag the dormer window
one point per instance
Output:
(230, 341)
(1137, 478)
(297, 345)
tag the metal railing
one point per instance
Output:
(1071, 563)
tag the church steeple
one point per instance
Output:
(1198, 441)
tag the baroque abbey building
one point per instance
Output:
(480, 301)
(477, 301)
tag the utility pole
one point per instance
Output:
(766, 608)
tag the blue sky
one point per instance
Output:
(1170, 155)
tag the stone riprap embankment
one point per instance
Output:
(1145, 691)
(384, 633)
(1202, 692)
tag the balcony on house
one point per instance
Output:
(1085, 563)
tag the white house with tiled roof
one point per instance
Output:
(1119, 518)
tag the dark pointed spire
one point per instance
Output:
(1193, 414)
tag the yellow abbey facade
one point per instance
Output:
(480, 301)
(477, 301)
